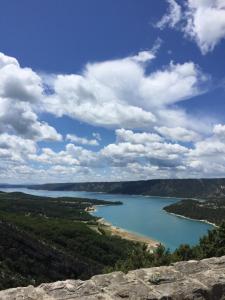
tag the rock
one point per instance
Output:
(200, 280)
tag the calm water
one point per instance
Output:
(142, 215)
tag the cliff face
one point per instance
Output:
(184, 280)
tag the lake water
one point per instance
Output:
(140, 214)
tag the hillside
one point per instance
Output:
(185, 188)
(46, 239)
(212, 210)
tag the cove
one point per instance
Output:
(143, 215)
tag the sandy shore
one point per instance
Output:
(91, 209)
(152, 244)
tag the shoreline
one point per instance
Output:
(128, 235)
(124, 233)
(192, 219)
(133, 195)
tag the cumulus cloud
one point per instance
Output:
(219, 131)
(50, 157)
(103, 94)
(206, 23)
(21, 120)
(124, 94)
(174, 83)
(20, 90)
(133, 155)
(18, 83)
(15, 149)
(82, 140)
(203, 21)
(71, 156)
(178, 134)
(7, 60)
(208, 155)
(150, 156)
(120, 93)
(123, 135)
(161, 154)
(143, 148)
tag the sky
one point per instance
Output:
(110, 90)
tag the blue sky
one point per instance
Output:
(111, 90)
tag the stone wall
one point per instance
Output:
(184, 280)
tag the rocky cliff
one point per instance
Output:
(184, 280)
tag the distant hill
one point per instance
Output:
(182, 188)
(212, 210)
(6, 185)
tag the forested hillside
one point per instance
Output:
(212, 210)
(185, 188)
(48, 239)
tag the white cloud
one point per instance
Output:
(137, 149)
(15, 149)
(172, 17)
(203, 21)
(219, 131)
(206, 23)
(71, 156)
(120, 93)
(142, 56)
(142, 105)
(123, 135)
(178, 134)
(207, 157)
(50, 157)
(20, 92)
(175, 83)
(18, 83)
(7, 60)
(21, 120)
(132, 156)
(82, 140)
(103, 94)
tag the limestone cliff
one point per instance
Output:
(184, 280)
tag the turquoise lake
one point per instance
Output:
(142, 215)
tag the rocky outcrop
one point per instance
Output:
(184, 280)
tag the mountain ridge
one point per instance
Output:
(180, 188)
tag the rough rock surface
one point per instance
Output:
(184, 280)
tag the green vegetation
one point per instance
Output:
(62, 207)
(212, 210)
(212, 244)
(190, 188)
(48, 239)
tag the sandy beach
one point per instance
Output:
(91, 209)
(152, 244)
